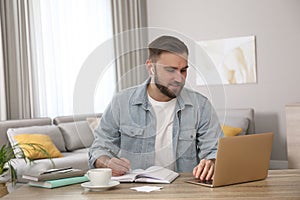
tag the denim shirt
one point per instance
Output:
(128, 128)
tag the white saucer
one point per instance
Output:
(100, 187)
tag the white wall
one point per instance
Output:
(276, 25)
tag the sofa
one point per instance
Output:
(73, 135)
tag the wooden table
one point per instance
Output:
(280, 184)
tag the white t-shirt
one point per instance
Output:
(164, 111)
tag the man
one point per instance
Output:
(159, 122)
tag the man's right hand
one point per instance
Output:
(119, 166)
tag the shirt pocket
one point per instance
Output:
(131, 131)
(131, 138)
(187, 144)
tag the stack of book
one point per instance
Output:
(56, 178)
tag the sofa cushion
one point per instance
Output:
(52, 131)
(93, 122)
(34, 152)
(5, 125)
(238, 113)
(77, 135)
(238, 122)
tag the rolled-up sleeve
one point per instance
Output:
(107, 136)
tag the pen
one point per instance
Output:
(116, 156)
(56, 170)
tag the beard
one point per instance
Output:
(165, 90)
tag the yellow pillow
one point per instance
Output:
(41, 139)
(230, 130)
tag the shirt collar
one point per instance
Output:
(140, 96)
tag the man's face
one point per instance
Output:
(170, 72)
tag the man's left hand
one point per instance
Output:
(205, 169)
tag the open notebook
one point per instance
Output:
(241, 159)
(154, 174)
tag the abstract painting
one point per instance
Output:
(232, 61)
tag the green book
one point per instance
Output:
(59, 182)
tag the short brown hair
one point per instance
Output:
(166, 44)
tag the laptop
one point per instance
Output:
(240, 159)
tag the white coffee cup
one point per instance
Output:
(99, 176)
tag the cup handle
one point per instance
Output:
(88, 175)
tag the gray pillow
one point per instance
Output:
(239, 122)
(77, 135)
(52, 131)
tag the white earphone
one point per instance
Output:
(152, 70)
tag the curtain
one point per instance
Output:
(2, 85)
(130, 40)
(46, 42)
(16, 59)
(64, 34)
